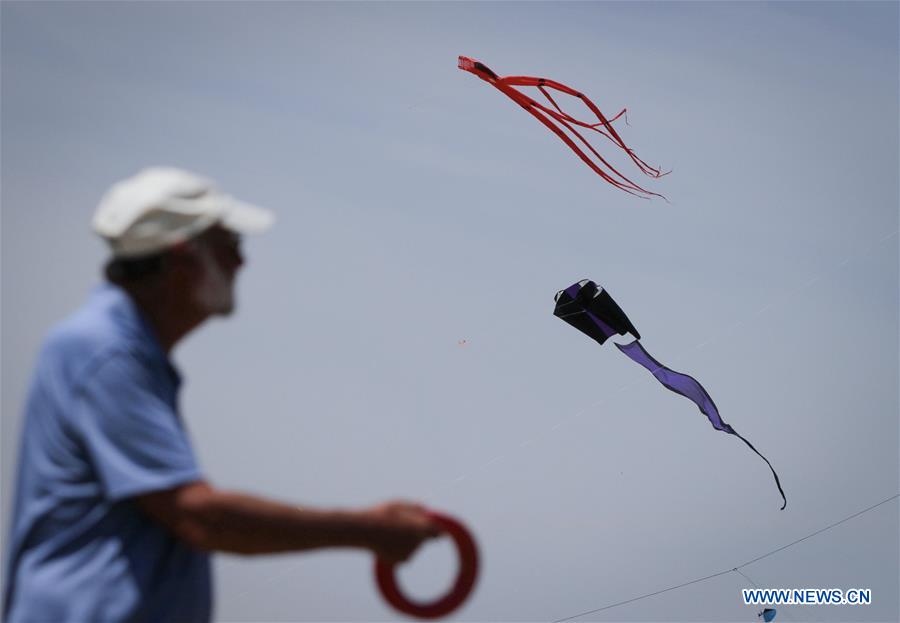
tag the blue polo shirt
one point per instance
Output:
(101, 426)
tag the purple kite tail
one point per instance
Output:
(688, 387)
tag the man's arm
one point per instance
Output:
(212, 519)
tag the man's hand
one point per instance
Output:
(398, 529)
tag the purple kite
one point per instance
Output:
(591, 310)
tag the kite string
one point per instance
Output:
(737, 570)
(733, 569)
(628, 601)
(828, 527)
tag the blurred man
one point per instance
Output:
(113, 518)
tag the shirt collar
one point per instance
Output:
(129, 317)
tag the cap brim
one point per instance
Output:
(244, 218)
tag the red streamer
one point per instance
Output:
(555, 117)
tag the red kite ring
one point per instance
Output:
(465, 579)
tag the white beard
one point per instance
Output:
(215, 294)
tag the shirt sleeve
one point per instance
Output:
(134, 437)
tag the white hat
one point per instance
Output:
(162, 206)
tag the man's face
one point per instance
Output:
(219, 257)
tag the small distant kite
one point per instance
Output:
(767, 615)
(550, 118)
(591, 310)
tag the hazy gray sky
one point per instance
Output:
(419, 207)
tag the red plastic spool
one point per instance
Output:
(462, 586)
